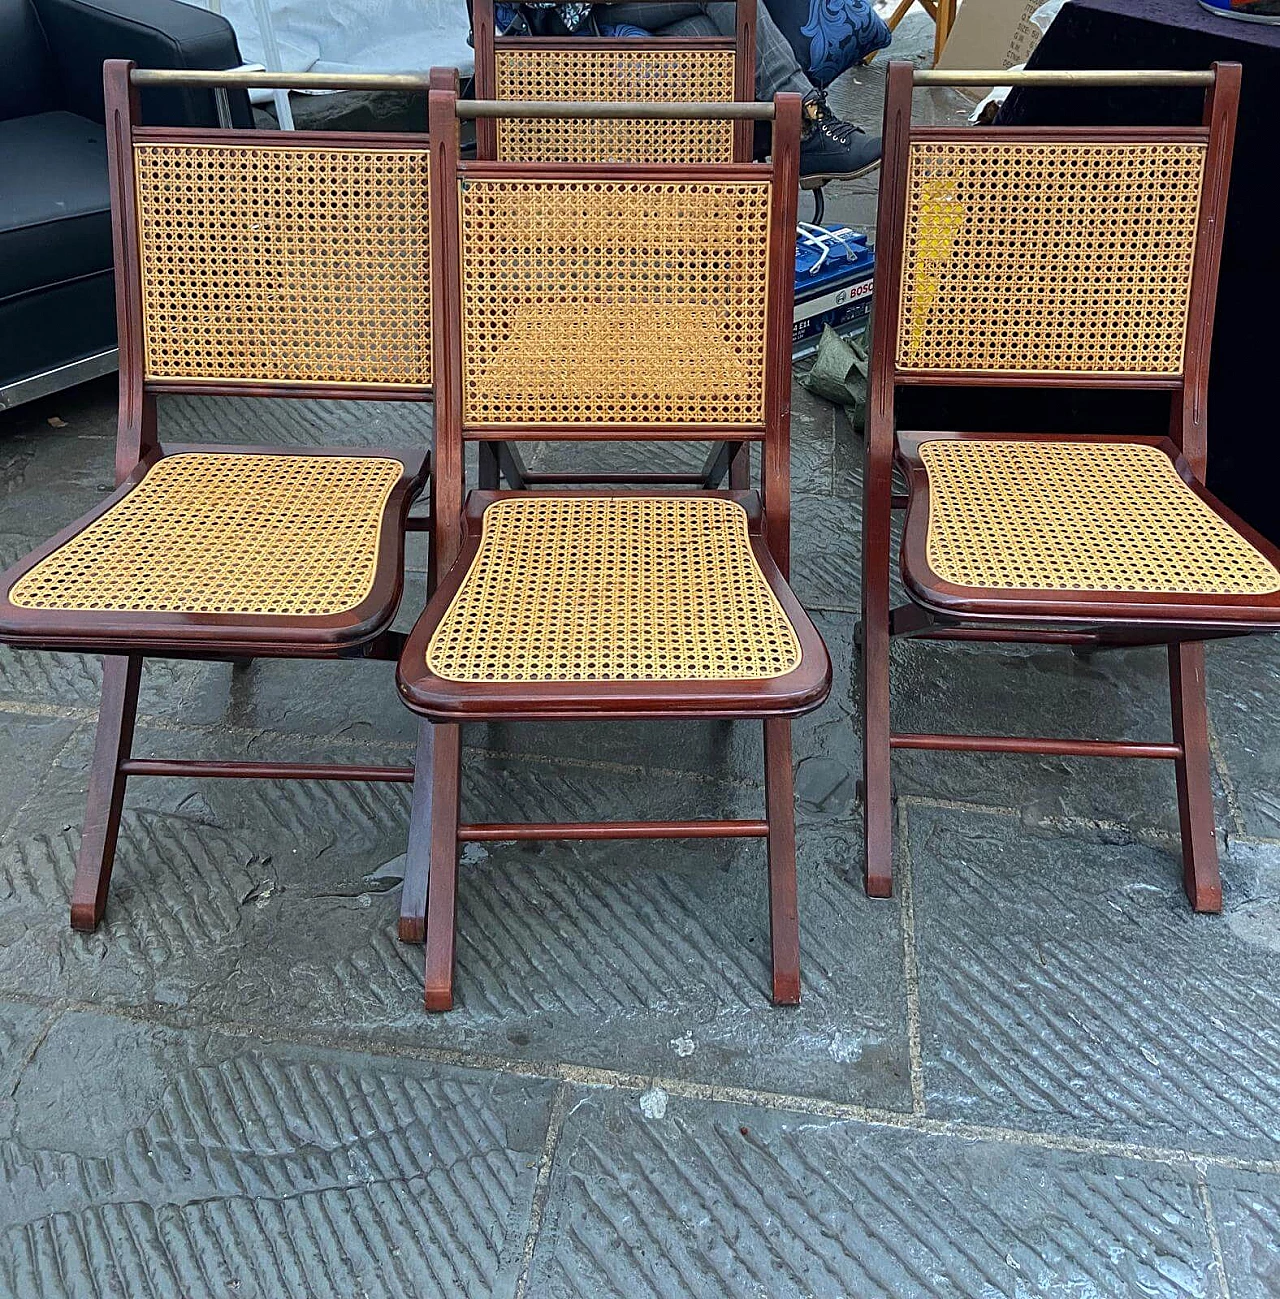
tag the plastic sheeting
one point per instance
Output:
(357, 35)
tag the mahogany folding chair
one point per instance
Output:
(1059, 258)
(260, 263)
(659, 69)
(656, 304)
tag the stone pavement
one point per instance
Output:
(1032, 1073)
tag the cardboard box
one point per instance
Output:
(991, 34)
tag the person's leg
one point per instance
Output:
(661, 19)
(830, 148)
(777, 69)
(776, 65)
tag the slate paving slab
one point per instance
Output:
(250, 420)
(144, 1162)
(1244, 682)
(344, 701)
(812, 445)
(30, 746)
(183, 692)
(40, 492)
(825, 542)
(20, 1029)
(271, 906)
(658, 1196)
(1067, 987)
(1246, 1208)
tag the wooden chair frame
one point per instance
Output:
(435, 832)
(1075, 619)
(499, 460)
(125, 641)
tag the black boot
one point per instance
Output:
(831, 149)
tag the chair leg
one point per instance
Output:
(877, 788)
(739, 466)
(442, 879)
(120, 677)
(899, 13)
(944, 19)
(727, 459)
(512, 465)
(413, 895)
(489, 466)
(1200, 875)
(784, 907)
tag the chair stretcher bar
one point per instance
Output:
(266, 770)
(1033, 744)
(543, 830)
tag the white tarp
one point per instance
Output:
(357, 35)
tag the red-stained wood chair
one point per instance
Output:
(598, 69)
(258, 263)
(1081, 258)
(654, 303)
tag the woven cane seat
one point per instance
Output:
(1080, 517)
(230, 536)
(631, 588)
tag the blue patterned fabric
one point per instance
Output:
(509, 21)
(505, 17)
(577, 18)
(543, 18)
(830, 36)
(623, 31)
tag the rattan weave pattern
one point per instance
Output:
(626, 588)
(226, 533)
(610, 75)
(278, 264)
(614, 302)
(1048, 258)
(1079, 516)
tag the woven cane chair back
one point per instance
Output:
(1038, 257)
(614, 302)
(617, 71)
(265, 264)
(662, 69)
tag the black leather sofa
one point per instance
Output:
(57, 302)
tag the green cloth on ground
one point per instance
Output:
(840, 373)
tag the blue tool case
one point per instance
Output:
(834, 271)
